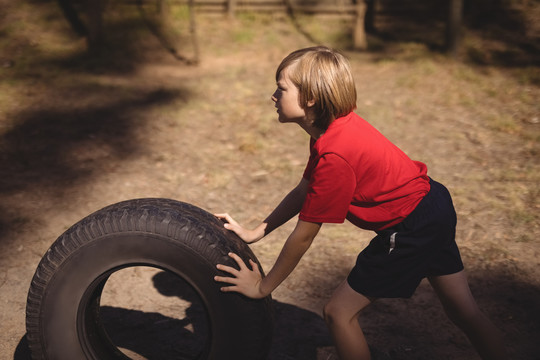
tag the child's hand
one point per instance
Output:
(249, 236)
(245, 281)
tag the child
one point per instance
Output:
(355, 173)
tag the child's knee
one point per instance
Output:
(329, 312)
(344, 306)
(334, 313)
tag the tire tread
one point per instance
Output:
(194, 227)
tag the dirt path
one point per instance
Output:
(73, 141)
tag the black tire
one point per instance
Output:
(62, 314)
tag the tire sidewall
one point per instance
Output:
(66, 292)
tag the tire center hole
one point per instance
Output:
(149, 313)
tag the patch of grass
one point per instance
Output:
(180, 12)
(468, 74)
(520, 217)
(472, 47)
(504, 124)
(413, 51)
(529, 75)
(243, 35)
(325, 30)
(250, 28)
(251, 18)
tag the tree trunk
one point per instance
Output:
(453, 26)
(94, 10)
(72, 17)
(360, 40)
(370, 14)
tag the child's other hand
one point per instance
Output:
(244, 281)
(249, 236)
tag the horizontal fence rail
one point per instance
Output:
(263, 6)
(361, 12)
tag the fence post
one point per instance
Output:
(360, 40)
(453, 26)
(231, 8)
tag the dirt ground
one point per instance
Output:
(78, 133)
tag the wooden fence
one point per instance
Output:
(231, 7)
(362, 11)
(358, 10)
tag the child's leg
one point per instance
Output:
(341, 316)
(460, 306)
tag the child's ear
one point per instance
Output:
(310, 103)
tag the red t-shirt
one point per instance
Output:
(355, 173)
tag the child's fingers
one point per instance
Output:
(228, 218)
(228, 269)
(226, 279)
(254, 266)
(229, 288)
(239, 261)
(222, 216)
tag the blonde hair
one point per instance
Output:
(323, 76)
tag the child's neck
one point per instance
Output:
(313, 131)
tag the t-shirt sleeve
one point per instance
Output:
(332, 183)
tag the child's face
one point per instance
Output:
(287, 100)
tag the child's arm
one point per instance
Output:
(289, 207)
(249, 281)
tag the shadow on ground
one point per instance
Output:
(53, 149)
(508, 36)
(42, 148)
(390, 325)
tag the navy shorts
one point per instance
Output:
(422, 245)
